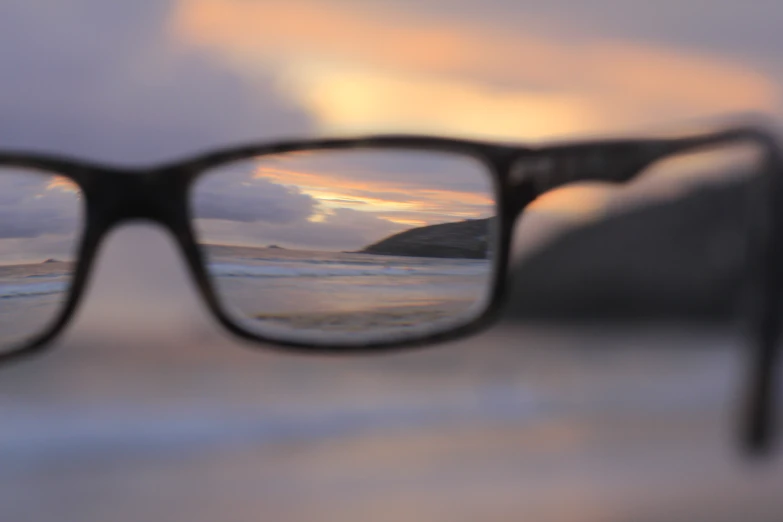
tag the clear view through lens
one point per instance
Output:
(351, 246)
(41, 218)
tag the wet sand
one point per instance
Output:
(397, 319)
(534, 423)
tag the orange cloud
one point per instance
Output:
(396, 202)
(363, 67)
(284, 29)
(356, 101)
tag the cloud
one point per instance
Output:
(358, 100)
(716, 27)
(341, 229)
(106, 81)
(31, 207)
(337, 200)
(440, 187)
(360, 66)
(399, 171)
(233, 194)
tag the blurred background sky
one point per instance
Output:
(152, 79)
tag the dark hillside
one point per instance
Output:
(464, 239)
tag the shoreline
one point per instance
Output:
(395, 316)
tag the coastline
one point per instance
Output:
(410, 315)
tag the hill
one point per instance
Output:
(683, 259)
(463, 239)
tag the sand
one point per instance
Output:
(151, 420)
(408, 316)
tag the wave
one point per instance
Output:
(321, 269)
(47, 276)
(8, 291)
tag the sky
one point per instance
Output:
(152, 80)
(338, 200)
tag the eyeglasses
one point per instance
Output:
(339, 245)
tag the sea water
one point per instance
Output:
(32, 296)
(289, 292)
(346, 292)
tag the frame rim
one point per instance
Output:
(485, 155)
(175, 179)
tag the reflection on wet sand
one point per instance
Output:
(32, 296)
(554, 424)
(348, 297)
(411, 316)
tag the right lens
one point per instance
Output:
(41, 219)
(354, 246)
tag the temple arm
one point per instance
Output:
(616, 161)
(759, 430)
(536, 171)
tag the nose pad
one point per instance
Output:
(140, 288)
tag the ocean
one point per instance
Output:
(303, 295)
(31, 297)
(320, 296)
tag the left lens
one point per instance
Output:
(41, 222)
(349, 246)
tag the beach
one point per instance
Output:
(350, 296)
(31, 297)
(578, 426)
(294, 294)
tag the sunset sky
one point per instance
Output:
(150, 80)
(338, 200)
